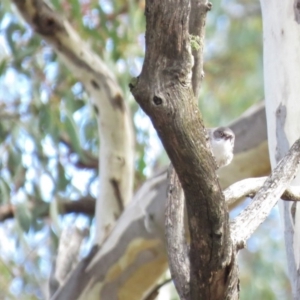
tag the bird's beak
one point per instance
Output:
(228, 137)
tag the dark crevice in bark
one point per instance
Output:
(164, 91)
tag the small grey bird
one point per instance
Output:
(222, 143)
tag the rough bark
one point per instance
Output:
(282, 72)
(164, 91)
(115, 132)
(177, 247)
(197, 21)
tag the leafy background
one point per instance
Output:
(48, 131)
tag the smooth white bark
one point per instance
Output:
(281, 35)
(114, 122)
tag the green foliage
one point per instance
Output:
(48, 133)
(195, 42)
(24, 216)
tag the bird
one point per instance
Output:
(222, 144)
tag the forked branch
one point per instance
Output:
(257, 211)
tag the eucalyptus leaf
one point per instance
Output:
(5, 191)
(62, 180)
(23, 216)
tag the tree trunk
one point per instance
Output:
(115, 130)
(281, 30)
(164, 91)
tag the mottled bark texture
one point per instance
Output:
(198, 12)
(164, 91)
(177, 247)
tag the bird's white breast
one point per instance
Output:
(222, 151)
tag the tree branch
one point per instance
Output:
(250, 186)
(178, 254)
(175, 236)
(87, 161)
(165, 93)
(85, 205)
(257, 211)
(115, 129)
(154, 292)
(196, 28)
(67, 256)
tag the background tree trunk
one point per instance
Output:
(281, 20)
(115, 128)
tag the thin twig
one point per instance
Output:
(154, 292)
